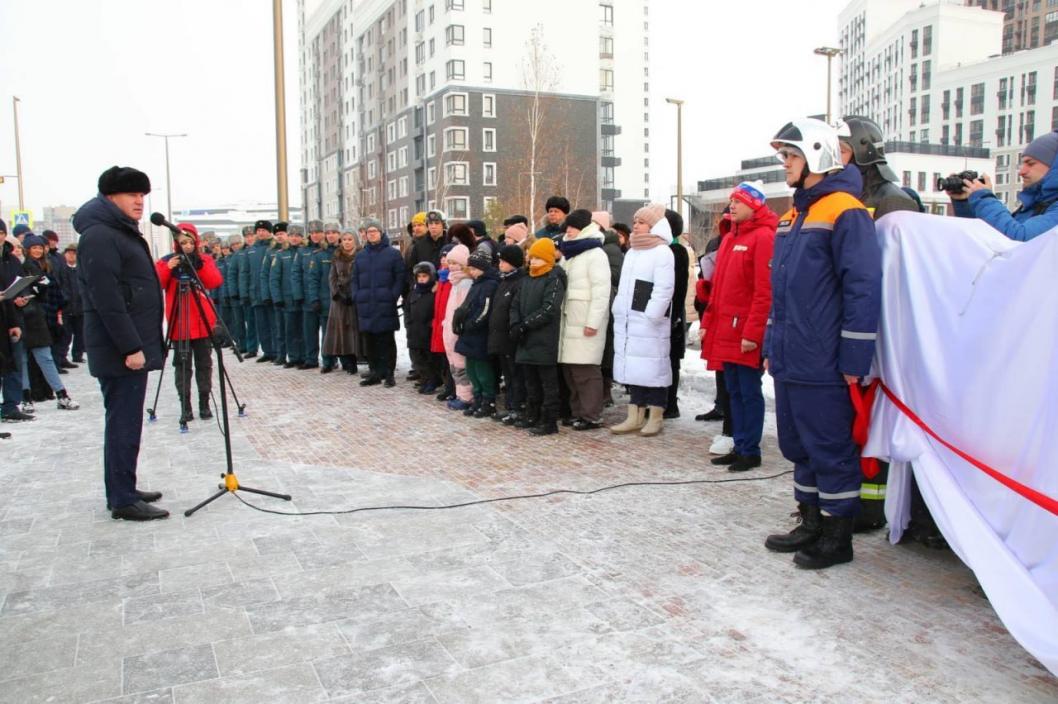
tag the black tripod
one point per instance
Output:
(178, 337)
(231, 482)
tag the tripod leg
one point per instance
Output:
(207, 502)
(285, 497)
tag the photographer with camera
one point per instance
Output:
(1038, 212)
(190, 322)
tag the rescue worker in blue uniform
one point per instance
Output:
(231, 281)
(826, 301)
(221, 297)
(275, 296)
(254, 290)
(248, 325)
(285, 298)
(318, 289)
(310, 317)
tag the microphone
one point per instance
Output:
(159, 220)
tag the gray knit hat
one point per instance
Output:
(315, 226)
(1044, 148)
(368, 223)
(331, 227)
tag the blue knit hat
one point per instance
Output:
(1044, 148)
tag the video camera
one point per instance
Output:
(954, 183)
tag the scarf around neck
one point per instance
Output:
(571, 248)
(647, 241)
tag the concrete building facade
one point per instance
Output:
(480, 108)
(1027, 24)
(935, 73)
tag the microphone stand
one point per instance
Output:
(231, 482)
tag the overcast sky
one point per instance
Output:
(94, 75)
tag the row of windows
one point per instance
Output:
(455, 139)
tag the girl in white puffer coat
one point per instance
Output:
(642, 314)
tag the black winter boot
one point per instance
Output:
(806, 532)
(833, 547)
(204, 411)
(486, 410)
(473, 408)
(525, 421)
(546, 427)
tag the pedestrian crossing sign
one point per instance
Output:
(22, 217)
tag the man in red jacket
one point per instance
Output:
(189, 331)
(736, 317)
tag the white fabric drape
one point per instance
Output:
(969, 341)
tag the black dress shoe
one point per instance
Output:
(670, 414)
(389, 383)
(264, 358)
(714, 414)
(148, 496)
(139, 511)
(729, 458)
(17, 416)
(326, 370)
(62, 370)
(370, 381)
(250, 355)
(291, 364)
(744, 463)
(582, 424)
(309, 365)
(567, 421)
(65, 364)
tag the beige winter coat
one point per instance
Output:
(587, 303)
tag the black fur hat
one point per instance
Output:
(262, 225)
(557, 202)
(123, 179)
(280, 227)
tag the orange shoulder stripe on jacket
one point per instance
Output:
(830, 207)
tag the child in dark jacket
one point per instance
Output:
(535, 323)
(471, 322)
(418, 318)
(501, 345)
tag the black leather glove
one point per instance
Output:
(317, 306)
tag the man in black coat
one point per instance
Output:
(10, 330)
(123, 307)
(678, 316)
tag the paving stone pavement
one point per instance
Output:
(660, 594)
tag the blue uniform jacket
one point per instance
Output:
(317, 278)
(250, 289)
(826, 285)
(281, 279)
(1024, 223)
(376, 285)
(299, 285)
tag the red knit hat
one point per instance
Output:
(750, 193)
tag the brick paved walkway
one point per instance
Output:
(636, 595)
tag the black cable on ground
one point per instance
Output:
(479, 502)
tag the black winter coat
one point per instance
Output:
(474, 313)
(500, 341)
(536, 317)
(678, 314)
(10, 315)
(418, 317)
(35, 330)
(376, 286)
(611, 244)
(424, 249)
(71, 292)
(120, 291)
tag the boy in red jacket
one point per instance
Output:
(736, 317)
(188, 332)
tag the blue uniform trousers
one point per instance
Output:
(310, 336)
(815, 433)
(123, 398)
(294, 334)
(279, 334)
(263, 318)
(250, 343)
(747, 407)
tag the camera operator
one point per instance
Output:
(188, 331)
(1038, 211)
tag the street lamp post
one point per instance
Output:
(18, 154)
(168, 187)
(281, 111)
(679, 152)
(829, 52)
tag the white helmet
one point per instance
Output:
(817, 140)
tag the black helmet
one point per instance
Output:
(865, 138)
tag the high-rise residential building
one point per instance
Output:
(480, 108)
(935, 73)
(1027, 24)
